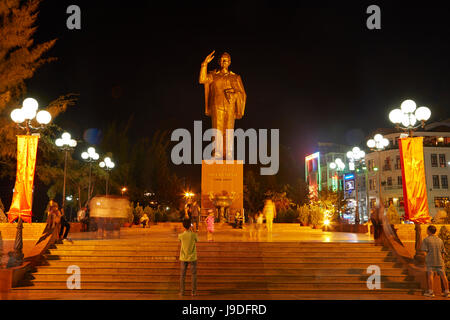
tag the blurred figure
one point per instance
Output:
(82, 217)
(195, 213)
(252, 226)
(259, 224)
(144, 220)
(65, 226)
(210, 225)
(269, 212)
(187, 211)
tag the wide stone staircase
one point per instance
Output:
(150, 265)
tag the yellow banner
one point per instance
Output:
(414, 183)
(23, 189)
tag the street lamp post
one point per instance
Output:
(377, 144)
(66, 144)
(107, 165)
(408, 118)
(339, 166)
(24, 117)
(90, 156)
(356, 155)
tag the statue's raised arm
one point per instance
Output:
(204, 68)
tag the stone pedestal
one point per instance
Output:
(223, 180)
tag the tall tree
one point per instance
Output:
(20, 57)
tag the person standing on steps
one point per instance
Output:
(195, 213)
(188, 255)
(65, 226)
(434, 247)
(210, 225)
(269, 212)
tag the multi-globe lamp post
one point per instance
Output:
(107, 165)
(90, 156)
(66, 144)
(339, 166)
(356, 155)
(408, 118)
(377, 144)
(24, 117)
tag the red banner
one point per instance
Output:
(23, 189)
(414, 182)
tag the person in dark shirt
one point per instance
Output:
(434, 247)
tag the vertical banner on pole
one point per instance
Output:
(23, 189)
(414, 183)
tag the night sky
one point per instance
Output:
(313, 71)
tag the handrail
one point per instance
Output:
(392, 241)
(49, 236)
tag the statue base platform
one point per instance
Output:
(223, 182)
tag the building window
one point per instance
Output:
(444, 182)
(440, 202)
(434, 161)
(389, 181)
(373, 203)
(399, 180)
(442, 162)
(370, 165)
(371, 184)
(387, 164)
(436, 182)
(398, 165)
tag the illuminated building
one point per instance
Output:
(436, 155)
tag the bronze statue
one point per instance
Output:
(224, 100)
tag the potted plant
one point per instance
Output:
(129, 222)
(303, 215)
(315, 217)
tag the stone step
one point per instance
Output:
(222, 249)
(173, 293)
(218, 271)
(258, 245)
(222, 254)
(226, 259)
(244, 286)
(212, 278)
(224, 265)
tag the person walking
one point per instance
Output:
(188, 255)
(252, 226)
(210, 225)
(195, 213)
(269, 212)
(65, 226)
(259, 225)
(434, 247)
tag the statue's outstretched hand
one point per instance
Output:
(210, 57)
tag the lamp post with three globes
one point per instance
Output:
(107, 165)
(90, 156)
(66, 144)
(356, 155)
